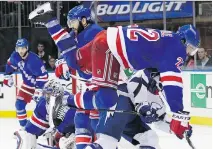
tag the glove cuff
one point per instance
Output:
(181, 116)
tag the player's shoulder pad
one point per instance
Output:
(93, 29)
(42, 101)
(15, 55)
(34, 56)
(68, 93)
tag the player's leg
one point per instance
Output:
(111, 126)
(83, 133)
(140, 134)
(105, 72)
(22, 99)
(94, 117)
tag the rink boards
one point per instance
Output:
(197, 96)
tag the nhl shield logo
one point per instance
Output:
(98, 71)
(115, 75)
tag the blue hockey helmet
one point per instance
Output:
(78, 12)
(22, 47)
(191, 36)
(22, 42)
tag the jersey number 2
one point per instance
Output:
(149, 35)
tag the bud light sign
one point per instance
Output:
(142, 10)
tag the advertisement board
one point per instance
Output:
(197, 96)
(142, 10)
(201, 90)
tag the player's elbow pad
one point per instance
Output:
(70, 58)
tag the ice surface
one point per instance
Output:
(202, 137)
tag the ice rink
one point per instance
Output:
(202, 137)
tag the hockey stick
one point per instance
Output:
(108, 110)
(19, 88)
(163, 98)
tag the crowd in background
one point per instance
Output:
(45, 48)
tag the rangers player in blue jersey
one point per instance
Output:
(51, 112)
(84, 29)
(33, 73)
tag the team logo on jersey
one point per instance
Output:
(179, 64)
(21, 65)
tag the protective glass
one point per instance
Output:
(191, 50)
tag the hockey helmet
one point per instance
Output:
(78, 12)
(53, 88)
(191, 36)
(22, 46)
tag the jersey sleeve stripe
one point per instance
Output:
(57, 36)
(38, 122)
(123, 45)
(170, 73)
(82, 139)
(171, 78)
(120, 51)
(112, 33)
(172, 83)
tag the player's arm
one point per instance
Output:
(171, 78)
(10, 67)
(64, 41)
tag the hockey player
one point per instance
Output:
(33, 73)
(51, 112)
(84, 29)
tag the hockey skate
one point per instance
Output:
(42, 14)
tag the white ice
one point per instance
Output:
(201, 138)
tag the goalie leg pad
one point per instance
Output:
(147, 139)
(25, 140)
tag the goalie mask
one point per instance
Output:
(53, 88)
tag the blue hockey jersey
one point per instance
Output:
(32, 69)
(65, 41)
(139, 48)
(39, 121)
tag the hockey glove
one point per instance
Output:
(180, 124)
(43, 13)
(8, 80)
(37, 94)
(62, 70)
(67, 143)
(148, 113)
